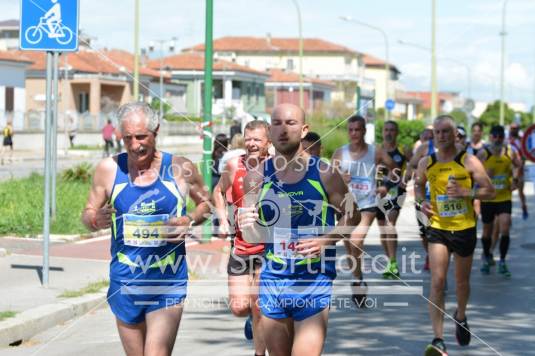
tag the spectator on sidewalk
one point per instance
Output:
(107, 135)
(71, 131)
(118, 140)
(8, 141)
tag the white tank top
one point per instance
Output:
(362, 172)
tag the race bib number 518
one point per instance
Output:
(449, 207)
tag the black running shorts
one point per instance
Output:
(462, 242)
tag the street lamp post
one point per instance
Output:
(434, 86)
(502, 66)
(387, 61)
(136, 50)
(466, 66)
(301, 98)
(171, 48)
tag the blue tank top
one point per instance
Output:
(137, 250)
(292, 212)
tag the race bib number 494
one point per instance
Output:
(285, 241)
(449, 207)
(144, 230)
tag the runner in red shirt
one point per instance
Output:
(245, 258)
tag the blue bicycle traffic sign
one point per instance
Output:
(390, 104)
(49, 25)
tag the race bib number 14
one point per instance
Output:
(285, 241)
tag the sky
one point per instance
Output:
(467, 33)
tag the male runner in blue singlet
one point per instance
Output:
(141, 194)
(296, 195)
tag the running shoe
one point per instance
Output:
(491, 261)
(485, 268)
(391, 271)
(436, 348)
(502, 269)
(426, 264)
(359, 298)
(525, 214)
(248, 328)
(462, 330)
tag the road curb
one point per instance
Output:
(33, 321)
(63, 238)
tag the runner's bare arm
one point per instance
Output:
(482, 155)
(485, 189)
(97, 213)
(415, 159)
(336, 192)
(335, 161)
(382, 157)
(517, 169)
(220, 201)
(420, 180)
(248, 216)
(197, 191)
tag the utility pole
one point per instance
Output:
(434, 87)
(300, 25)
(136, 51)
(502, 67)
(207, 110)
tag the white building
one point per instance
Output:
(322, 60)
(13, 88)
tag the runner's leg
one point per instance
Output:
(162, 327)
(278, 335)
(439, 258)
(132, 337)
(310, 335)
(463, 266)
(259, 342)
(239, 289)
(357, 241)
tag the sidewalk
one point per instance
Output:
(73, 266)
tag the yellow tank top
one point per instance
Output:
(500, 170)
(451, 214)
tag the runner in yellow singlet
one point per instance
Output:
(451, 173)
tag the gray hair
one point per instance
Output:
(140, 108)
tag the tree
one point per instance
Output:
(491, 116)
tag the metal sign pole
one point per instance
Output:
(48, 148)
(54, 133)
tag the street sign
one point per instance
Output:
(49, 25)
(528, 143)
(389, 104)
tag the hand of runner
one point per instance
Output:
(453, 190)
(247, 217)
(381, 191)
(102, 219)
(177, 229)
(427, 209)
(223, 229)
(310, 248)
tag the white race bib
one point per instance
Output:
(285, 241)
(450, 207)
(499, 181)
(144, 230)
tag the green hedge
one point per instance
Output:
(21, 211)
(334, 133)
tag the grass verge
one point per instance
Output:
(7, 314)
(90, 288)
(21, 211)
